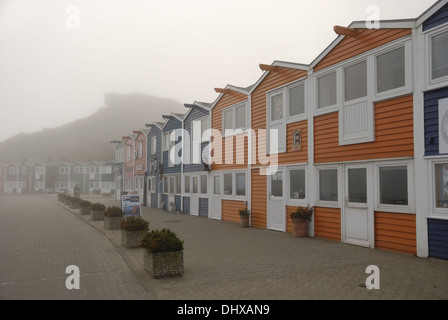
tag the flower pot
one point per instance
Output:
(244, 221)
(164, 264)
(96, 215)
(299, 228)
(74, 205)
(131, 239)
(112, 223)
(84, 210)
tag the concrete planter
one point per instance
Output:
(96, 215)
(74, 205)
(131, 239)
(164, 264)
(112, 223)
(84, 210)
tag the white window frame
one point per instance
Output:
(184, 191)
(296, 202)
(206, 184)
(154, 145)
(325, 203)
(434, 211)
(315, 80)
(234, 130)
(24, 170)
(410, 208)
(428, 35)
(233, 195)
(235, 184)
(224, 195)
(64, 170)
(140, 149)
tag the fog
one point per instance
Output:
(52, 74)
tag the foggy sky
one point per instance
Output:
(180, 49)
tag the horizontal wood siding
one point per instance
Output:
(327, 223)
(258, 201)
(438, 238)
(366, 40)
(394, 134)
(226, 100)
(143, 159)
(395, 232)
(194, 115)
(230, 210)
(186, 203)
(432, 120)
(203, 207)
(437, 19)
(272, 81)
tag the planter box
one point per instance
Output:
(96, 215)
(244, 221)
(131, 239)
(299, 228)
(74, 206)
(84, 210)
(112, 223)
(164, 264)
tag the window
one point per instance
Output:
(187, 184)
(355, 81)
(357, 185)
(195, 185)
(439, 56)
(153, 145)
(297, 184)
(277, 184)
(296, 100)
(277, 107)
(393, 185)
(328, 185)
(63, 170)
(140, 149)
(204, 184)
(234, 117)
(217, 185)
(391, 70)
(166, 141)
(165, 184)
(129, 153)
(149, 184)
(172, 185)
(240, 184)
(24, 170)
(228, 184)
(14, 170)
(326, 90)
(441, 185)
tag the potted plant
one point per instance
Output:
(68, 199)
(96, 211)
(61, 197)
(112, 217)
(84, 207)
(244, 215)
(300, 220)
(132, 231)
(75, 203)
(163, 253)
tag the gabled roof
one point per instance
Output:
(431, 11)
(173, 115)
(246, 91)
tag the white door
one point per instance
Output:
(215, 199)
(356, 205)
(194, 199)
(276, 201)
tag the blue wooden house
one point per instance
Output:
(172, 162)
(195, 171)
(432, 33)
(154, 164)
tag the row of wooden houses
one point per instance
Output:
(360, 134)
(93, 177)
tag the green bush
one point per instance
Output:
(302, 213)
(85, 204)
(244, 212)
(133, 223)
(164, 240)
(113, 212)
(97, 207)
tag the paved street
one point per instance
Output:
(39, 237)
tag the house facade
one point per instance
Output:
(154, 164)
(129, 164)
(140, 168)
(172, 162)
(118, 168)
(195, 171)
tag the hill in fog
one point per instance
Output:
(89, 138)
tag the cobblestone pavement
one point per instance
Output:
(223, 261)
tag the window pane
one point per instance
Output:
(241, 117)
(356, 81)
(441, 184)
(165, 184)
(240, 184)
(228, 119)
(195, 185)
(277, 107)
(187, 184)
(178, 184)
(203, 183)
(328, 185)
(296, 100)
(394, 185)
(439, 56)
(228, 184)
(172, 185)
(277, 184)
(357, 185)
(391, 70)
(327, 90)
(297, 184)
(217, 185)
